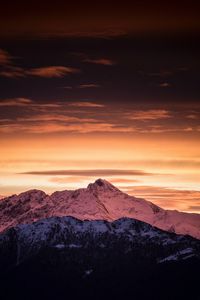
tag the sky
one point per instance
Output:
(108, 91)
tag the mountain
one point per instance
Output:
(99, 201)
(26, 240)
(75, 245)
(66, 258)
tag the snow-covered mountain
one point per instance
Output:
(99, 201)
(127, 236)
(66, 258)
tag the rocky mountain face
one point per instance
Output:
(66, 258)
(64, 233)
(99, 201)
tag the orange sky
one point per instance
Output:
(101, 90)
(160, 168)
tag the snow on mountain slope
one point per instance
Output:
(124, 234)
(60, 255)
(99, 201)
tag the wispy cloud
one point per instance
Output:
(28, 103)
(146, 115)
(122, 180)
(16, 102)
(63, 116)
(13, 72)
(161, 73)
(10, 70)
(93, 172)
(68, 179)
(55, 127)
(67, 87)
(34, 129)
(52, 71)
(45, 72)
(100, 61)
(89, 85)
(166, 129)
(192, 116)
(86, 104)
(55, 117)
(185, 200)
(63, 33)
(165, 85)
(5, 57)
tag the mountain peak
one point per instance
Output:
(33, 192)
(99, 201)
(102, 184)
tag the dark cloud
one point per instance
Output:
(86, 104)
(36, 60)
(96, 173)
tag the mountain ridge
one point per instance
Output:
(24, 241)
(100, 200)
(67, 258)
